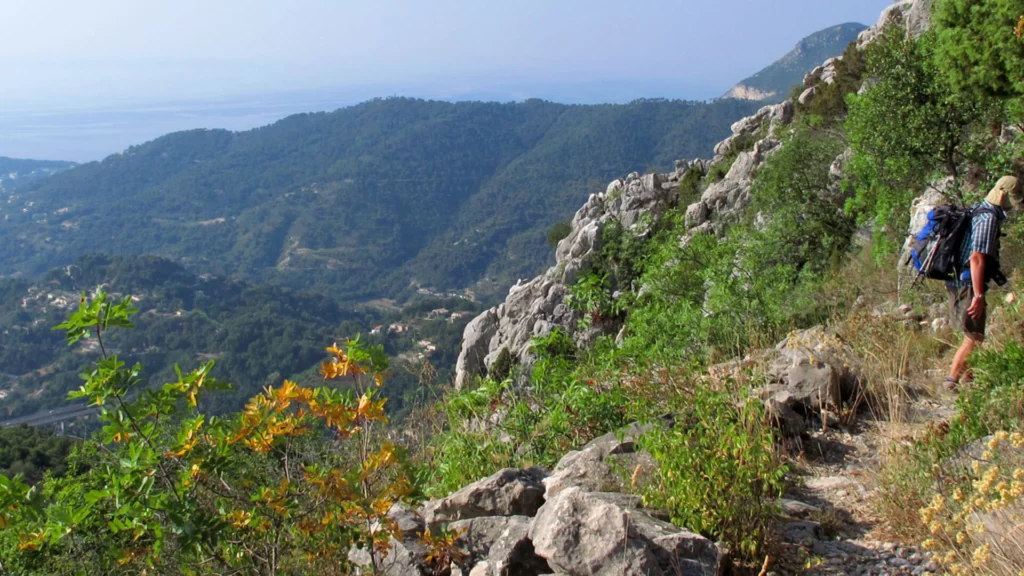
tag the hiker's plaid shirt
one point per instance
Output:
(984, 238)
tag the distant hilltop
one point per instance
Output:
(773, 83)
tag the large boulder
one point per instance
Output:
(830, 70)
(498, 546)
(605, 464)
(813, 370)
(509, 492)
(596, 534)
(476, 343)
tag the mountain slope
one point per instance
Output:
(773, 83)
(365, 199)
(15, 172)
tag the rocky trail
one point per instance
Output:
(829, 524)
(583, 517)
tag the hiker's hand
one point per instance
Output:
(977, 307)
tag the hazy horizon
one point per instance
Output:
(82, 81)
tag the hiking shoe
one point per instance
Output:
(951, 384)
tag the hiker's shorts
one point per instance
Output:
(959, 302)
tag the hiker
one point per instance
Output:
(979, 256)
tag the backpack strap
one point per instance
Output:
(982, 209)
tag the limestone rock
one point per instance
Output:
(407, 556)
(783, 417)
(830, 70)
(813, 370)
(509, 492)
(807, 95)
(913, 15)
(802, 531)
(837, 171)
(813, 76)
(476, 340)
(729, 196)
(796, 508)
(603, 465)
(536, 308)
(696, 214)
(498, 546)
(596, 534)
(919, 17)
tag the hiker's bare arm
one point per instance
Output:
(977, 307)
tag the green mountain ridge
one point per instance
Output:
(773, 83)
(368, 199)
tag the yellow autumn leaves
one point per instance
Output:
(267, 417)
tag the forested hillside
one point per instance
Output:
(255, 334)
(366, 199)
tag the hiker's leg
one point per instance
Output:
(960, 359)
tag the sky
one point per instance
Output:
(173, 63)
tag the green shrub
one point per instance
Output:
(996, 399)
(690, 187)
(907, 128)
(717, 471)
(558, 232)
(977, 49)
(499, 425)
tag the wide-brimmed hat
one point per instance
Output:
(1006, 193)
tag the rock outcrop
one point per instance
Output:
(813, 370)
(497, 546)
(535, 308)
(603, 464)
(913, 15)
(577, 521)
(508, 492)
(595, 534)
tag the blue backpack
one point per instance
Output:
(936, 251)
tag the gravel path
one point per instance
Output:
(829, 525)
